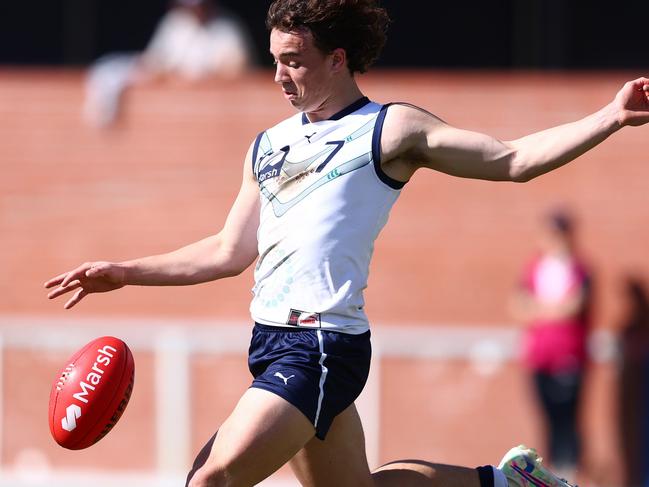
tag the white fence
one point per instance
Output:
(172, 343)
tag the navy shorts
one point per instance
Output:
(318, 371)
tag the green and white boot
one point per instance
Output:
(522, 467)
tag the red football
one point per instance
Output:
(91, 393)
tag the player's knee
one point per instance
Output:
(209, 478)
(200, 459)
(227, 475)
(217, 479)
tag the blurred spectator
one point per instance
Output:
(554, 300)
(634, 385)
(195, 40)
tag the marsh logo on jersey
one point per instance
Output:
(303, 318)
(269, 169)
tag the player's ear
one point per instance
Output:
(339, 59)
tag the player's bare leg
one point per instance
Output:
(416, 473)
(263, 433)
(201, 458)
(340, 460)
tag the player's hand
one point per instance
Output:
(91, 277)
(633, 102)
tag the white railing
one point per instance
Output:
(173, 342)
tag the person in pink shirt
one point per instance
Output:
(554, 300)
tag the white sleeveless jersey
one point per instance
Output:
(324, 200)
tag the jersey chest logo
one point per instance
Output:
(285, 179)
(273, 168)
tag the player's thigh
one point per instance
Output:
(339, 459)
(263, 432)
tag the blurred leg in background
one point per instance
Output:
(106, 83)
(559, 395)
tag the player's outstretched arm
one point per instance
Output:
(413, 138)
(225, 254)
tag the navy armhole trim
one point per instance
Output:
(255, 149)
(376, 150)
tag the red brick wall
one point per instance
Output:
(451, 253)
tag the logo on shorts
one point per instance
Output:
(285, 379)
(303, 318)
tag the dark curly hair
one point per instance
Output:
(357, 26)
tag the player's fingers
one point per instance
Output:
(64, 289)
(78, 296)
(641, 84)
(76, 274)
(636, 84)
(72, 276)
(55, 280)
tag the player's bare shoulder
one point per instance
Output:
(406, 132)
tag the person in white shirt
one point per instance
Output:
(194, 41)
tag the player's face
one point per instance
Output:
(302, 70)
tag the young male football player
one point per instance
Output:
(317, 189)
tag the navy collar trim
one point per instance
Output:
(358, 104)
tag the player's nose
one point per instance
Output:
(281, 74)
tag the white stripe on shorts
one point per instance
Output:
(323, 376)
